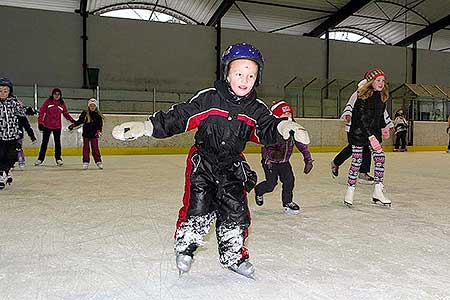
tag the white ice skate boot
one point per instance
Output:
(378, 196)
(85, 165)
(9, 178)
(291, 208)
(184, 263)
(245, 268)
(99, 165)
(259, 199)
(348, 200)
(2, 180)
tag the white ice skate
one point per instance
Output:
(9, 178)
(291, 208)
(348, 200)
(59, 162)
(245, 269)
(378, 196)
(259, 199)
(85, 165)
(2, 180)
(99, 165)
(184, 263)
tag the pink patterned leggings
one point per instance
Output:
(353, 172)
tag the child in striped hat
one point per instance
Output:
(369, 128)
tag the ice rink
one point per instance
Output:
(73, 234)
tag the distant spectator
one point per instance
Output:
(400, 128)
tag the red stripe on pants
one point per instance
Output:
(187, 188)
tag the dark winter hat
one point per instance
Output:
(373, 74)
(57, 90)
(281, 107)
(8, 83)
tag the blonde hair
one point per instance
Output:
(366, 90)
(88, 114)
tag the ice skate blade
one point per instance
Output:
(290, 212)
(377, 201)
(250, 276)
(181, 273)
(348, 204)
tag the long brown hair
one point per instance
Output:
(366, 91)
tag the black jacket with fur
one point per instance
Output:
(367, 120)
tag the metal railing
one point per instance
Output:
(312, 98)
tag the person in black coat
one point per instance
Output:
(367, 128)
(92, 120)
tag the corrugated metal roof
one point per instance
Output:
(429, 90)
(383, 21)
(55, 5)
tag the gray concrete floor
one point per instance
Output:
(66, 233)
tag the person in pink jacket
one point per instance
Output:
(49, 121)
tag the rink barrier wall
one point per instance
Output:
(185, 150)
(327, 135)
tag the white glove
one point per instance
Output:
(285, 128)
(129, 131)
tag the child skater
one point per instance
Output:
(218, 178)
(92, 120)
(24, 124)
(11, 114)
(367, 128)
(401, 128)
(275, 163)
(363, 176)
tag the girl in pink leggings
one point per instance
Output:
(92, 120)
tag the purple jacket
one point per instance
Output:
(280, 153)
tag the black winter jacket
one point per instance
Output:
(24, 124)
(367, 120)
(91, 129)
(224, 121)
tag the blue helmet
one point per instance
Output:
(8, 83)
(244, 51)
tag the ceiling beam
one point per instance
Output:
(220, 12)
(424, 32)
(339, 16)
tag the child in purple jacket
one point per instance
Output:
(275, 162)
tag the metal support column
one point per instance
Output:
(218, 48)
